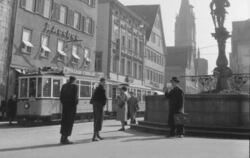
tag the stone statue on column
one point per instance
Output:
(218, 12)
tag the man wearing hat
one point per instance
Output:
(69, 100)
(176, 106)
(98, 100)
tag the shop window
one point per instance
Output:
(23, 88)
(32, 87)
(85, 89)
(47, 87)
(56, 88)
(139, 95)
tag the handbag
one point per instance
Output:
(181, 119)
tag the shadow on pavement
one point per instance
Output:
(44, 146)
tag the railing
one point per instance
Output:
(207, 83)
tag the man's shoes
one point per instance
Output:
(99, 137)
(94, 139)
(66, 141)
(180, 136)
(122, 129)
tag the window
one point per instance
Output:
(23, 88)
(28, 4)
(153, 37)
(135, 70)
(140, 72)
(159, 41)
(123, 41)
(47, 87)
(115, 32)
(136, 46)
(129, 41)
(123, 66)
(129, 67)
(98, 62)
(141, 48)
(39, 87)
(85, 89)
(60, 46)
(47, 8)
(76, 20)
(139, 95)
(70, 17)
(26, 40)
(148, 74)
(56, 87)
(32, 87)
(62, 17)
(114, 63)
(75, 56)
(44, 46)
(39, 6)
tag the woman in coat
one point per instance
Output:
(122, 107)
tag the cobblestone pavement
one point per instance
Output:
(43, 142)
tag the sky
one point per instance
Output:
(239, 10)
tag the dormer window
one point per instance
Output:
(62, 54)
(44, 46)
(26, 41)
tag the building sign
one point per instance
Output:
(60, 32)
(70, 71)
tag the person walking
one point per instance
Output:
(12, 108)
(133, 107)
(69, 100)
(176, 106)
(98, 100)
(122, 107)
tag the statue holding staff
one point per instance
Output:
(218, 13)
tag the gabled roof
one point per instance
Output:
(179, 56)
(148, 13)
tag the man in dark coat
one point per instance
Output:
(176, 106)
(133, 107)
(12, 107)
(98, 100)
(69, 100)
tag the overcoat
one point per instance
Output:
(98, 100)
(176, 103)
(69, 100)
(122, 111)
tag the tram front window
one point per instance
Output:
(32, 87)
(39, 87)
(23, 87)
(56, 88)
(47, 87)
(85, 89)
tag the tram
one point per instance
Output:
(39, 92)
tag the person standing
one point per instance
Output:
(133, 107)
(98, 100)
(69, 100)
(176, 106)
(12, 107)
(122, 107)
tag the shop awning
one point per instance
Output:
(76, 56)
(27, 43)
(46, 48)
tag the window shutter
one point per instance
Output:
(80, 22)
(39, 6)
(56, 11)
(90, 26)
(83, 23)
(23, 3)
(93, 27)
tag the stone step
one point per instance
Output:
(193, 132)
(206, 128)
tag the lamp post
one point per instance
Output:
(222, 72)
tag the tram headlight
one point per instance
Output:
(26, 105)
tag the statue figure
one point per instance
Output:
(218, 13)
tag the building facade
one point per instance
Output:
(201, 65)
(120, 43)
(53, 33)
(180, 59)
(154, 57)
(5, 25)
(240, 56)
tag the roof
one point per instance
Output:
(179, 56)
(148, 13)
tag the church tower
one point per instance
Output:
(185, 30)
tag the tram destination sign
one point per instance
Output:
(70, 71)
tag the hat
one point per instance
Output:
(72, 78)
(175, 79)
(102, 79)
